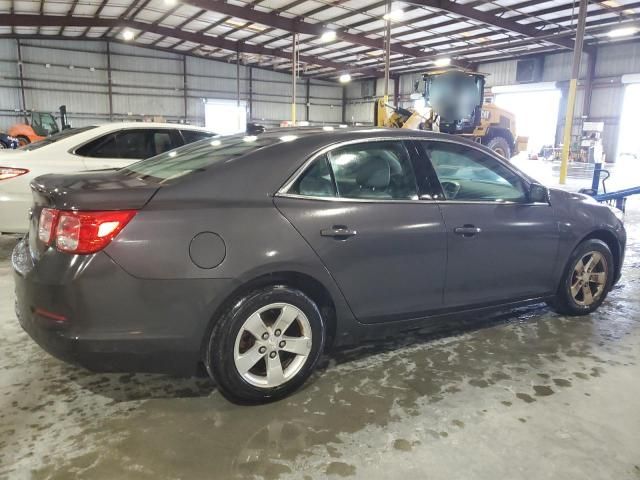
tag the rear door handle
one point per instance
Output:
(467, 230)
(340, 232)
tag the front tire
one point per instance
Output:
(266, 345)
(587, 279)
(500, 145)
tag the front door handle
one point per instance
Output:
(340, 232)
(467, 230)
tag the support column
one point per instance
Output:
(184, 87)
(387, 53)
(238, 78)
(294, 76)
(344, 104)
(396, 90)
(23, 107)
(573, 85)
(307, 102)
(250, 94)
(109, 82)
(592, 58)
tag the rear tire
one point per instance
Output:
(22, 140)
(500, 145)
(266, 345)
(586, 281)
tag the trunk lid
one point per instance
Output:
(95, 190)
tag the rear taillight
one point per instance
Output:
(10, 172)
(47, 225)
(89, 232)
(81, 232)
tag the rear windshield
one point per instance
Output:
(55, 137)
(197, 157)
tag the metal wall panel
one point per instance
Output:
(146, 82)
(407, 83)
(360, 112)
(606, 101)
(325, 113)
(499, 73)
(618, 59)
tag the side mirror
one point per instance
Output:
(538, 193)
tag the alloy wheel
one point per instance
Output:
(589, 278)
(272, 345)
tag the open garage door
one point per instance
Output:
(536, 109)
(629, 140)
(225, 117)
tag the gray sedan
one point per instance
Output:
(249, 255)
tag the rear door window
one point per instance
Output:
(368, 170)
(102, 147)
(134, 144)
(191, 136)
(316, 181)
(374, 170)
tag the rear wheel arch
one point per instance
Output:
(307, 284)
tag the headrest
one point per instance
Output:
(375, 173)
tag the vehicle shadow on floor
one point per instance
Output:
(139, 386)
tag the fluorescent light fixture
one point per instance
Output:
(622, 32)
(394, 15)
(170, 3)
(172, 154)
(345, 78)
(442, 62)
(342, 125)
(250, 138)
(328, 36)
(327, 128)
(128, 34)
(216, 143)
(288, 138)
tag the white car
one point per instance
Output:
(96, 147)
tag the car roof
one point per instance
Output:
(119, 125)
(330, 133)
(317, 137)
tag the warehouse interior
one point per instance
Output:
(523, 394)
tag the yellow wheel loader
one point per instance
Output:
(454, 103)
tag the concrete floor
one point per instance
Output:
(524, 395)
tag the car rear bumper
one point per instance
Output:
(14, 213)
(91, 313)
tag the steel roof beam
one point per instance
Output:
(218, 42)
(488, 19)
(295, 25)
(595, 27)
(543, 35)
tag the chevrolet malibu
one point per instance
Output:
(249, 255)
